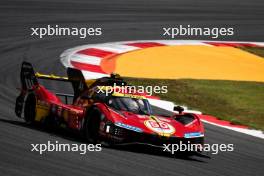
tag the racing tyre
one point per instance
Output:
(30, 109)
(92, 125)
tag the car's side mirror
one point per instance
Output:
(179, 109)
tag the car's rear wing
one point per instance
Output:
(29, 78)
(29, 81)
(52, 77)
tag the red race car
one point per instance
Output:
(116, 117)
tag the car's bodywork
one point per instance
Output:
(117, 118)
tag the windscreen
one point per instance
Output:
(137, 106)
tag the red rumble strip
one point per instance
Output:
(219, 122)
(87, 67)
(145, 44)
(232, 44)
(96, 52)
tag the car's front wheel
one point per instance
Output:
(92, 125)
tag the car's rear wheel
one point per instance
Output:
(30, 108)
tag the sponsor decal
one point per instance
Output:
(162, 128)
(128, 95)
(193, 135)
(129, 127)
(142, 116)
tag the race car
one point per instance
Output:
(111, 117)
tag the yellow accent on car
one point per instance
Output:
(65, 115)
(89, 82)
(42, 111)
(116, 94)
(52, 76)
(154, 118)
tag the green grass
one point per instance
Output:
(235, 101)
(254, 50)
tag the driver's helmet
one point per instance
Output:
(132, 105)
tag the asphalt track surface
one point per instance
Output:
(120, 20)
